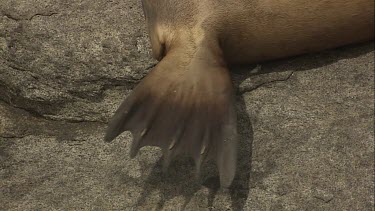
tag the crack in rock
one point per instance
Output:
(43, 15)
(47, 118)
(10, 16)
(13, 136)
(244, 89)
(14, 67)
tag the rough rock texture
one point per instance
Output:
(305, 123)
(63, 60)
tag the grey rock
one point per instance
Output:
(62, 59)
(305, 123)
(323, 195)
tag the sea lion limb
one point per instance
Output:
(185, 104)
(189, 110)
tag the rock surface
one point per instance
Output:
(305, 123)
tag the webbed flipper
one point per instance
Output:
(185, 105)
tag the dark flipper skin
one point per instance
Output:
(185, 105)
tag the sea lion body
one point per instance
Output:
(284, 28)
(185, 105)
(254, 31)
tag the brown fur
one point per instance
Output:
(258, 30)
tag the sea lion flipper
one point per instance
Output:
(185, 105)
(227, 155)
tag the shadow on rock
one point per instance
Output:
(240, 188)
(303, 62)
(180, 179)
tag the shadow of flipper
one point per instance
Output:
(240, 187)
(179, 180)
